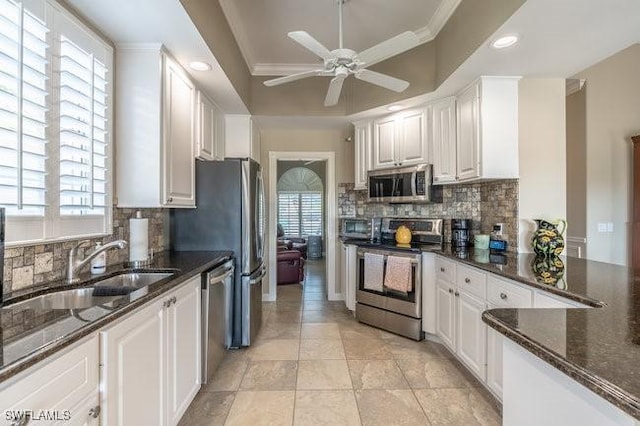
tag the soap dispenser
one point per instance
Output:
(99, 263)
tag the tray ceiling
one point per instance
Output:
(261, 27)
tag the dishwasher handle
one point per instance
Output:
(227, 270)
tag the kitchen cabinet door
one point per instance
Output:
(445, 319)
(494, 361)
(471, 333)
(413, 147)
(87, 413)
(178, 137)
(133, 362)
(183, 348)
(362, 154)
(443, 140)
(468, 135)
(384, 143)
(206, 128)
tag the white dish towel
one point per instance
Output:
(398, 275)
(373, 271)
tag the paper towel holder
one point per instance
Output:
(138, 264)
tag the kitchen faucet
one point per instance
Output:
(74, 265)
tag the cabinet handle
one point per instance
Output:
(167, 303)
(441, 269)
(22, 421)
(450, 290)
(457, 294)
(503, 296)
(174, 299)
(170, 200)
(95, 412)
(467, 280)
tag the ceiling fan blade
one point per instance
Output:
(382, 80)
(310, 43)
(335, 87)
(293, 77)
(386, 49)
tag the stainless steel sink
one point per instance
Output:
(79, 298)
(104, 292)
(133, 279)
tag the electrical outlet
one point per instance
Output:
(497, 228)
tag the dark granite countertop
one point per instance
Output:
(29, 336)
(598, 347)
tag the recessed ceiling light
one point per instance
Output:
(199, 66)
(505, 41)
(394, 107)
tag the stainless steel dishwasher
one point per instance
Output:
(217, 302)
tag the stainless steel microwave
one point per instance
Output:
(404, 185)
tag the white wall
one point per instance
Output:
(612, 117)
(542, 154)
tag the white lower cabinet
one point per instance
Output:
(64, 389)
(471, 333)
(151, 360)
(445, 319)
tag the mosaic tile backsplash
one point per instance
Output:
(485, 203)
(36, 264)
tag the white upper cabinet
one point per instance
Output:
(487, 129)
(155, 129)
(400, 140)
(210, 130)
(242, 137)
(413, 147)
(443, 140)
(362, 153)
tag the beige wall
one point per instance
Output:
(309, 140)
(577, 164)
(613, 116)
(209, 19)
(472, 23)
(542, 153)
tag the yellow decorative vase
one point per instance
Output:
(403, 235)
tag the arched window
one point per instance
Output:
(300, 198)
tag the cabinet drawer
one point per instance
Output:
(445, 270)
(471, 280)
(506, 294)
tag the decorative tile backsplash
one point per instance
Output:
(36, 264)
(485, 203)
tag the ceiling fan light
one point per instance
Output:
(504, 41)
(199, 66)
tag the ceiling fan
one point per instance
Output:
(341, 63)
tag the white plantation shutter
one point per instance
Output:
(23, 110)
(54, 123)
(289, 212)
(83, 126)
(311, 213)
(300, 213)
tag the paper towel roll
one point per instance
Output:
(139, 239)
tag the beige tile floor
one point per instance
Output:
(314, 364)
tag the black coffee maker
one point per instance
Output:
(460, 232)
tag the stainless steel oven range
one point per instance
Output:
(387, 308)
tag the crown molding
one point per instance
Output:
(265, 69)
(237, 30)
(574, 85)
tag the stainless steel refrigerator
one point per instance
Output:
(230, 215)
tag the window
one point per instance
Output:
(55, 106)
(300, 213)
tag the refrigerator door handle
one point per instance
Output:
(259, 278)
(261, 209)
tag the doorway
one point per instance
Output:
(302, 201)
